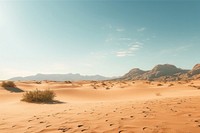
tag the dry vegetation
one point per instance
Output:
(8, 84)
(159, 84)
(37, 96)
(171, 85)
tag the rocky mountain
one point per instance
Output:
(133, 74)
(165, 72)
(60, 77)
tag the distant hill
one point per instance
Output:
(165, 72)
(60, 77)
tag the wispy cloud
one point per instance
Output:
(141, 29)
(130, 51)
(120, 29)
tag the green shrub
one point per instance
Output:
(8, 84)
(37, 96)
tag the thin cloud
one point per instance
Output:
(125, 39)
(124, 53)
(141, 29)
(130, 51)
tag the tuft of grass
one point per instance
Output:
(8, 84)
(38, 96)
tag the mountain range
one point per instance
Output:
(60, 77)
(165, 72)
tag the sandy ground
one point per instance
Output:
(104, 107)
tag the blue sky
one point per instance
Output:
(97, 37)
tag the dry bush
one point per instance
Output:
(8, 84)
(37, 96)
(38, 82)
(179, 82)
(104, 84)
(171, 85)
(197, 87)
(159, 85)
(148, 82)
(68, 82)
(107, 88)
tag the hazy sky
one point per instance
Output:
(96, 37)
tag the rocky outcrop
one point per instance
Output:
(165, 72)
(133, 74)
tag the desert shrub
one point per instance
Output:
(8, 84)
(107, 88)
(171, 85)
(159, 85)
(104, 84)
(38, 82)
(68, 82)
(94, 87)
(38, 96)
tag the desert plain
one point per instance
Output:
(104, 107)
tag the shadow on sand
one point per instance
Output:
(56, 102)
(13, 89)
(52, 102)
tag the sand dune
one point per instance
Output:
(104, 107)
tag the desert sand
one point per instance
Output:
(104, 107)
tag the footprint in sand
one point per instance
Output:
(13, 126)
(63, 129)
(144, 128)
(48, 126)
(80, 125)
(83, 130)
(29, 127)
